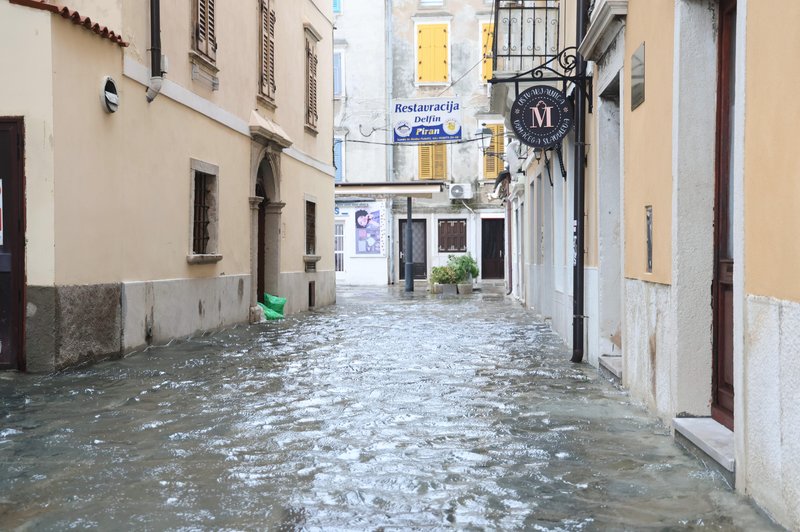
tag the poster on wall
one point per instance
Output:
(1, 212)
(426, 120)
(370, 227)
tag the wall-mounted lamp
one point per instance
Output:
(483, 133)
(537, 153)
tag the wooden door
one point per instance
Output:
(419, 243)
(492, 248)
(261, 244)
(722, 384)
(12, 244)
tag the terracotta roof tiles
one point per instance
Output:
(75, 17)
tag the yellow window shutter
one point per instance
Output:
(439, 161)
(440, 45)
(487, 36)
(425, 161)
(432, 53)
(492, 163)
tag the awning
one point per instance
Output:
(389, 189)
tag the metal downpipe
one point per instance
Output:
(578, 316)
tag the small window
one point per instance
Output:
(433, 54)
(493, 158)
(337, 6)
(311, 228)
(205, 24)
(338, 162)
(338, 246)
(453, 236)
(204, 212)
(432, 161)
(431, 3)
(312, 38)
(268, 19)
(338, 79)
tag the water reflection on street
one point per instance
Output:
(387, 410)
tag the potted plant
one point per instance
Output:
(466, 269)
(443, 280)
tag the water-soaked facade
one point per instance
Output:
(388, 410)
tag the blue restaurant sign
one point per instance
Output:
(426, 120)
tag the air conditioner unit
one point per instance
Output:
(461, 191)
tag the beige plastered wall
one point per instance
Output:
(307, 185)
(772, 168)
(648, 140)
(31, 97)
(123, 180)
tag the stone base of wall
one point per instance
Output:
(648, 345)
(68, 326)
(155, 312)
(71, 325)
(771, 420)
(294, 287)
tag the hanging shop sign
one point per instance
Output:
(541, 116)
(426, 120)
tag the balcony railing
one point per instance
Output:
(526, 34)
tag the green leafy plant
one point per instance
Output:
(464, 267)
(443, 275)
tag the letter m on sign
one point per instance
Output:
(541, 116)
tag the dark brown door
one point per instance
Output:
(493, 244)
(261, 269)
(419, 243)
(722, 385)
(12, 244)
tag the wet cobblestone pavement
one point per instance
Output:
(386, 411)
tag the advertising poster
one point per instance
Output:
(370, 227)
(426, 120)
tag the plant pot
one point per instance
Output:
(464, 288)
(449, 289)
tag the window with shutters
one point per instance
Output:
(312, 38)
(311, 228)
(268, 19)
(487, 36)
(452, 236)
(433, 53)
(493, 158)
(338, 74)
(338, 161)
(432, 161)
(205, 24)
(204, 218)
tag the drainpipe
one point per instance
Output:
(580, 189)
(156, 75)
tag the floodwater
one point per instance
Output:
(386, 411)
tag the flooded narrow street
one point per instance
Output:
(385, 411)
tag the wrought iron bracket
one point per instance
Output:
(558, 68)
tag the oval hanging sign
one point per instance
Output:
(541, 116)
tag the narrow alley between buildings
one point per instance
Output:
(387, 410)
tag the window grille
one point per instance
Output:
(202, 206)
(338, 246)
(311, 228)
